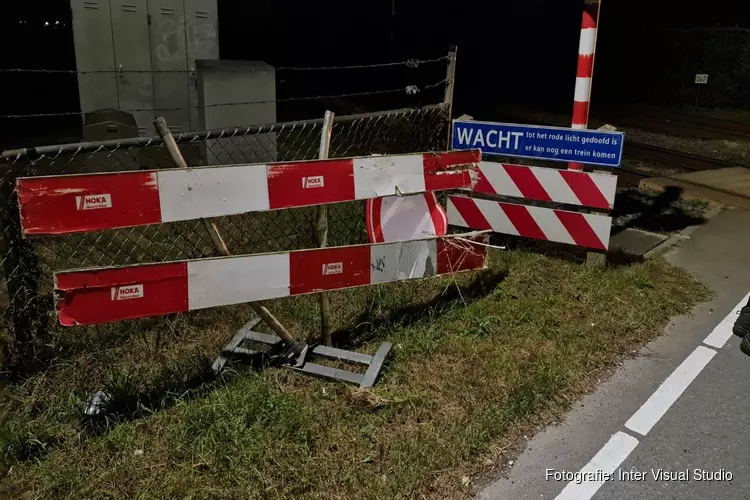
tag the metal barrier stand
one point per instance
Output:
(237, 347)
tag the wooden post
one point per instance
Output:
(450, 76)
(596, 259)
(321, 230)
(449, 88)
(599, 258)
(174, 152)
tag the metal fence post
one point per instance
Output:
(449, 88)
(321, 229)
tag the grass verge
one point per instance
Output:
(477, 359)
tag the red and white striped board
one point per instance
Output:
(585, 189)
(585, 230)
(106, 295)
(89, 202)
(402, 218)
(584, 74)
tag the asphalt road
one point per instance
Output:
(684, 404)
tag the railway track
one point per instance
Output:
(686, 125)
(631, 176)
(675, 158)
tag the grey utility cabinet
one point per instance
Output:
(140, 55)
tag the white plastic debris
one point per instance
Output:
(96, 403)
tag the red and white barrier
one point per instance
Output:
(584, 74)
(114, 294)
(546, 184)
(585, 230)
(75, 203)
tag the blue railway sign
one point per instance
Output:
(545, 143)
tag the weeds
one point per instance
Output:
(476, 359)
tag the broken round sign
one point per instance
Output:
(402, 218)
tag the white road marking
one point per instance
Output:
(609, 458)
(620, 445)
(723, 331)
(669, 391)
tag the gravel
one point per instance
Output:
(723, 149)
(735, 150)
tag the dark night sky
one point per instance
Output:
(519, 52)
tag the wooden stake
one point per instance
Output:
(174, 152)
(321, 230)
(450, 76)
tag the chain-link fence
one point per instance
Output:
(29, 264)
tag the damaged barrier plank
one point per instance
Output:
(68, 203)
(87, 297)
(77, 203)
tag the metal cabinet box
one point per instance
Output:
(233, 94)
(109, 124)
(135, 87)
(139, 56)
(95, 54)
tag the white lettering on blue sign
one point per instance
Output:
(549, 143)
(476, 139)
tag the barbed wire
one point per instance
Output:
(409, 63)
(409, 90)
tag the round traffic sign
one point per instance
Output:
(402, 218)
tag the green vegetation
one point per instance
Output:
(722, 52)
(479, 359)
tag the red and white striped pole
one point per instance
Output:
(584, 74)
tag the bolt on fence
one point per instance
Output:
(28, 264)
